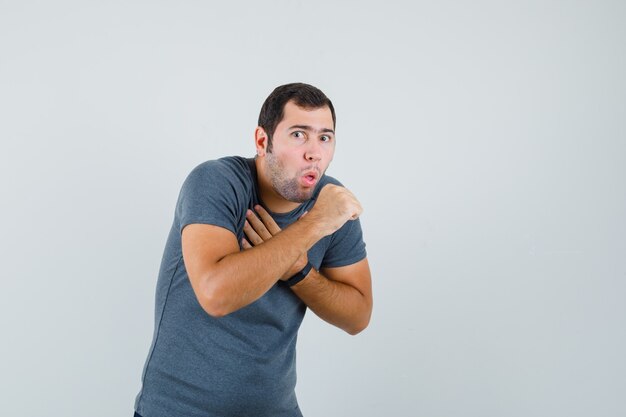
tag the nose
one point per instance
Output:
(313, 152)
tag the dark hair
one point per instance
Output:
(303, 95)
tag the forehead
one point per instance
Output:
(320, 118)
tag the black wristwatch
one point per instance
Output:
(300, 275)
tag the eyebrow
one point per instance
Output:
(307, 127)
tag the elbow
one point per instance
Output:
(361, 323)
(212, 309)
(353, 331)
(358, 327)
(212, 302)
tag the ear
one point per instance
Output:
(260, 141)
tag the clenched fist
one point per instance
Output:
(334, 206)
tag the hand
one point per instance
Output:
(335, 205)
(262, 228)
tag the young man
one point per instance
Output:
(254, 243)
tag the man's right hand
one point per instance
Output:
(335, 205)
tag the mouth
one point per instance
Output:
(309, 178)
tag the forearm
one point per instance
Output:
(339, 304)
(342, 298)
(240, 278)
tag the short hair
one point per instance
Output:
(303, 95)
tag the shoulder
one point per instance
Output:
(230, 169)
(325, 180)
(228, 165)
(216, 192)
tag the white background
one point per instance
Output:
(485, 139)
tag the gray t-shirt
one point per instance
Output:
(242, 364)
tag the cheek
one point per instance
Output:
(329, 153)
(289, 161)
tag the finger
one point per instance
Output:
(253, 237)
(359, 211)
(269, 222)
(245, 244)
(258, 225)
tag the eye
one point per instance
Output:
(298, 134)
(325, 138)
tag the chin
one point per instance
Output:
(300, 197)
(291, 190)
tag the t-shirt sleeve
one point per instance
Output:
(209, 195)
(346, 246)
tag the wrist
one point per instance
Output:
(301, 275)
(313, 226)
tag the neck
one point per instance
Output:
(269, 197)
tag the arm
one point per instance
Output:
(341, 296)
(225, 279)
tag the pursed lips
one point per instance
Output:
(310, 176)
(312, 172)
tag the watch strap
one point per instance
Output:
(300, 275)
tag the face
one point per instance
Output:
(303, 146)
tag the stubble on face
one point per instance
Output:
(287, 187)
